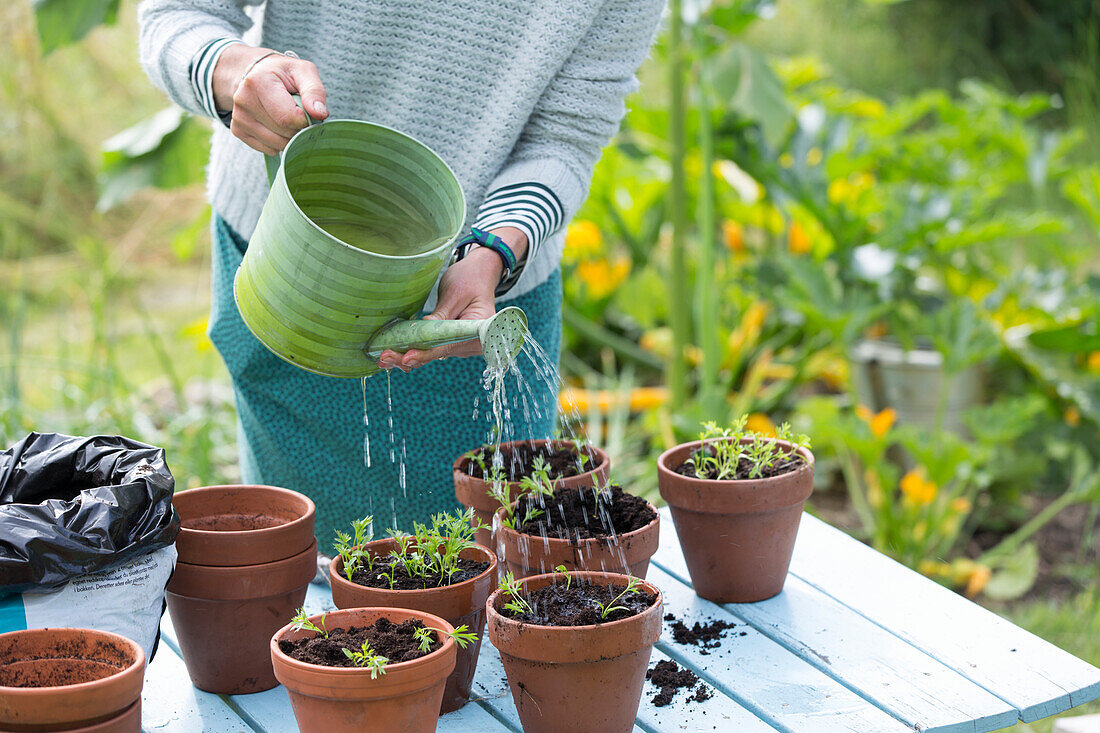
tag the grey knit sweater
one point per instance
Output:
(513, 94)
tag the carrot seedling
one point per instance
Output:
(301, 621)
(367, 658)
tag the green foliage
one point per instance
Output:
(462, 636)
(513, 589)
(367, 658)
(167, 150)
(302, 621)
(351, 548)
(723, 449)
(62, 22)
(608, 608)
(432, 550)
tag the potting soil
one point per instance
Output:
(745, 468)
(580, 603)
(395, 642)
(672, 678)
(520, 461)
(705, 636)
(584, 513)
(377, 577)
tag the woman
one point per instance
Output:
(517, 96)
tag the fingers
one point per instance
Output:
(308, 83)
(265, 115)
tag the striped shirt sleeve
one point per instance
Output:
(202, 76)
(529, 206)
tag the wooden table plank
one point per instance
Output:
(862, 656)
(170, 704)
(1036, 677)
(763, 676)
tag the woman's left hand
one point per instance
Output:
(466, 292)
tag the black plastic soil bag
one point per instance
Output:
(71, 506)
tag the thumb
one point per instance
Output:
(308, 83)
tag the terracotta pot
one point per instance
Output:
(242, 525)
(224, 618)
(737, 536)
(337, 699)
(525, 555)
(474, 492)
(576, 679)
(89, 681)
(461, 603)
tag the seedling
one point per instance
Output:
(724, 448)
(462, 636)
(517, 604)
(301, 621)
(631, 587)
(564, 571)
(366, 657)
(350, 547)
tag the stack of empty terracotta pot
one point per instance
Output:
(246, 557)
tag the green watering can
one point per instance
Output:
(359, 223)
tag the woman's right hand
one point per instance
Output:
(265, 116)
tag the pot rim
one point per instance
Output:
(94, 686)
(250, 534)
(232, 570)
(594, 451)
(498, 617)
(498, 519)
(764, 482)
(336, 577)
(403, 614)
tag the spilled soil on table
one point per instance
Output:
(671, 678)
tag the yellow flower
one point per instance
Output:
(657, 341)
(874, 488)
(933, 568)
(601, 277)
(733, 234)
(195, 332)
(839, 190)
(977, 580)
(868, 108)
(813, 156)
(960, 505)
(758, 422)
(883, 421)
(786, 160)
(1072, 416)
(916, 489)
(863, 412)
(582, 239)
(1093, 361)
(748, 330)
(797, 241)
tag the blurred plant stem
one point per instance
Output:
(680, 316)
(706, 289)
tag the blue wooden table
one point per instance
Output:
(855, 642)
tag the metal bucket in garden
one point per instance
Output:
(359, 223)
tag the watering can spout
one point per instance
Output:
(501, 336)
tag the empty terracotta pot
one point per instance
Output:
(242, 525)
(737, 536)
(224, 618)
(346, 700)
(461, 603)
(474, 492)
(576, 679)
(83, 680)
(525, 555)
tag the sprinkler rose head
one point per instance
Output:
(502, 337)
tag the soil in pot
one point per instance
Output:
(581, 604)
(583, 513)
(396, 642)
(565, 468)
(379, 575)
(519, 459)
(746, 469)
(580, 528)
(576, 679)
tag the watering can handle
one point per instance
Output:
(273, 161)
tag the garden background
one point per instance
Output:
(875, 220)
